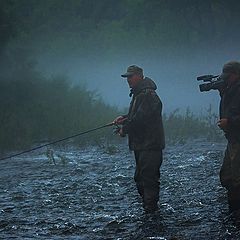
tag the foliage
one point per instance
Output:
(35, 109)
(181, 127)
(107, 26)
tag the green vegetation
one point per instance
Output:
(182, 127)
(108, 27)
(35, 109)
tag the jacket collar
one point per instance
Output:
(146, 83)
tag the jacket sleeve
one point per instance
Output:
(148, 104)
(234, 119)
(234, 116)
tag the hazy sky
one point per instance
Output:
(93, 42)
(175, 77)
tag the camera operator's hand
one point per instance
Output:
(223, 124)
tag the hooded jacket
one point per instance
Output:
(144, 120)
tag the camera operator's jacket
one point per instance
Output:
(230, 109)
(144, 120)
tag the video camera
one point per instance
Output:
(215, 82)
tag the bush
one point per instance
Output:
(181, 127)
(35, 109)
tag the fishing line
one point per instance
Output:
(57, 141)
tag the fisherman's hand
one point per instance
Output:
(120, 120)
(120, 133)
(223, 124)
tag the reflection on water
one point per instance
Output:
(90, 194)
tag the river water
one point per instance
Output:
(90, 194)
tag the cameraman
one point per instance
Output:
(230, 123)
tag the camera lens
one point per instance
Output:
(205, 87)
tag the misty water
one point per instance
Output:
(90, 194)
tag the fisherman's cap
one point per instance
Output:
(131, 70)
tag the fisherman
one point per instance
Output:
(230, 123)
(143, 125)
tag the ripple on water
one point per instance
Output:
(92, 196)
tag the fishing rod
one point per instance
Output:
(59, 140)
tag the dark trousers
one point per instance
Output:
(230, 175)
(147, 175)
(234, 199)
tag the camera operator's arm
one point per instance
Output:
(223, 124)
(234, 116)
(234, 121)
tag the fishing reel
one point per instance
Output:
(117, 129)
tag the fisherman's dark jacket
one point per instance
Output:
(144, 120)
(230, 109)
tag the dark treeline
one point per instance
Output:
(37, 108)
(109, 25)
(91, 28)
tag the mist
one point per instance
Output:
(173, 42)
(175, 76)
